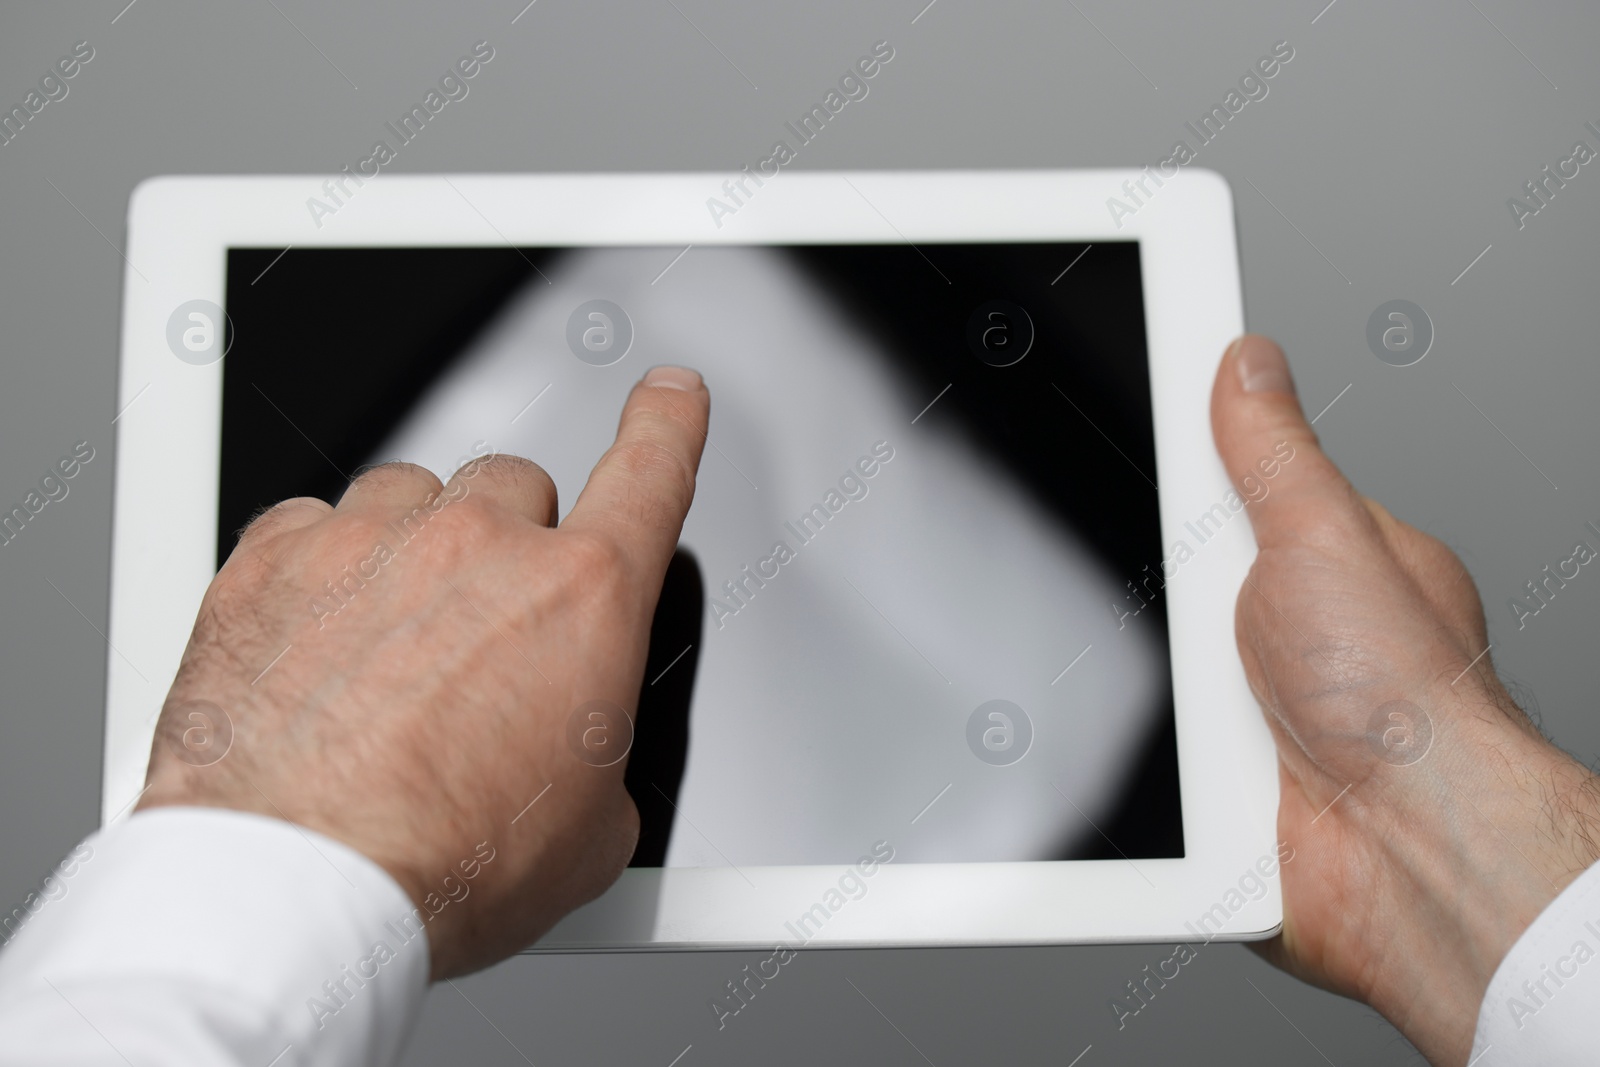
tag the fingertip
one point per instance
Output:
(1261, 365)
(677, 394)
(1254, 396)
(670, 377)
(640, 491)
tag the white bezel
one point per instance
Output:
(179, 231)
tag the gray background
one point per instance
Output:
(1388, 146)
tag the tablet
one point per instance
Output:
(946, 653)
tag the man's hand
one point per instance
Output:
(1431, 821)
(400, 673)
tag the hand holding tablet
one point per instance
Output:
(1430, 819)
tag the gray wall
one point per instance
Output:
(1387, 147)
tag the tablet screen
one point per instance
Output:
(918, 598)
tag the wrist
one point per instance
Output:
(1478, 837)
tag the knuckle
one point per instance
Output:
(264, 518)
(395, 472)
(523, 477)
(649, 459)
(628, 828)
(268, 519)
(595, 559)
(506, 466)
(619, 824)
(448, 535)
(354, 530)
(1439, 558)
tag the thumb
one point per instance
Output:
(1271, 452)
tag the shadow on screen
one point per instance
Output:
(661, 729)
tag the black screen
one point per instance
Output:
(795, 717)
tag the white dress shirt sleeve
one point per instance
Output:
(187, 936)
(1543, 1003)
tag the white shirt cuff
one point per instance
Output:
(1541, 1004)
(198, 935)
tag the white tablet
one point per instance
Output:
(937, 662)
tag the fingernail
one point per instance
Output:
(1262, 368)
(673, 378)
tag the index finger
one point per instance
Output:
(640, 491)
